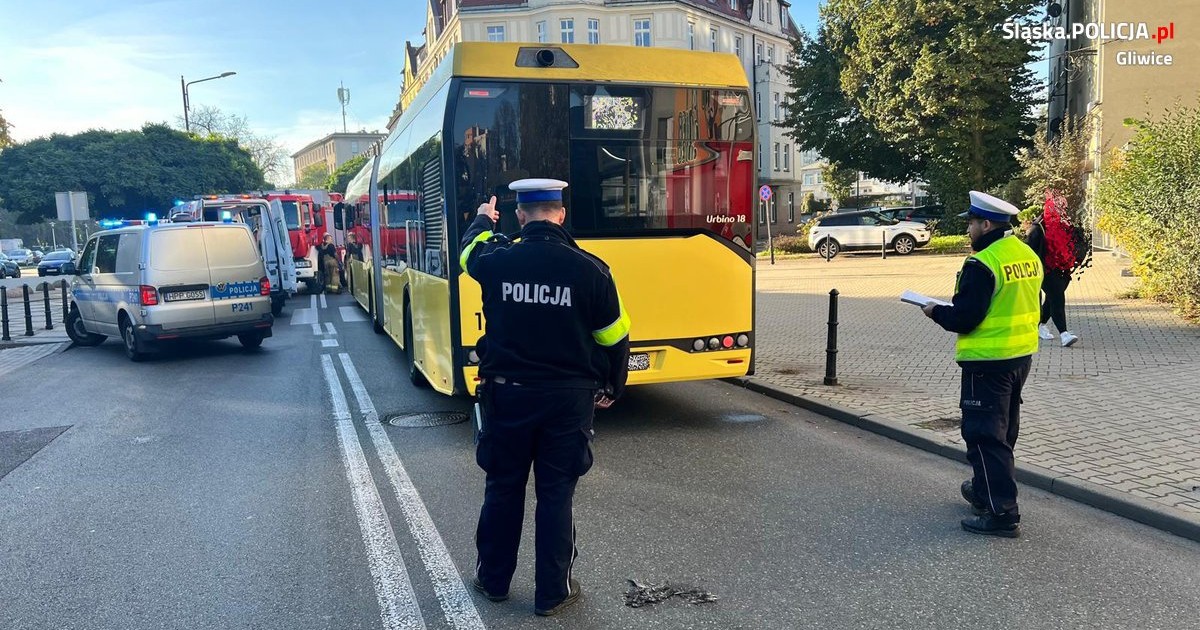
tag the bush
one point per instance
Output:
(791, 245)
(1149, 201)
(948, 244)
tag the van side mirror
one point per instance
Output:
(69, 269)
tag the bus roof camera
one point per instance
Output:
(545, 57)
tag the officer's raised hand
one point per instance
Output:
(490, 210)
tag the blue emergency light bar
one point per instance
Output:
(226, 216)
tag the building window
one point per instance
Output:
(768, 10)
(760, 11)
(774, 210)
(775, 99)
(593, 31)
(641, 32)
(757, 106)
(495, 33)
(776, 161)
(354, 146)
(783, 16)
(541, 32)
(691, 36)
(567, 26)
(770, 54)
(787, 158)
(713, 36)
(791, 207)
(758, 54)
(737, 46)
(810, 179)
(733, 5)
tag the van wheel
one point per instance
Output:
(904, 244)
(414, 374)
(78, 333)
(133, 349)
(276, 306)
(250, 340)
(828, 248)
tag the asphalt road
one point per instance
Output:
(218, 488)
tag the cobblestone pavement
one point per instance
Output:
(21, 350)
(1120, 408)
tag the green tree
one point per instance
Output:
(820, 117)
(5, 136)
(267, 153)
(313, 176)
(1148, 198)
(839, 181)
(340, 178)
(125, 173)
(1059, 165)
(929, 84)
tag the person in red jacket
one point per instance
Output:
(1050, 236)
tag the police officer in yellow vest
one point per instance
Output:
(555, 348)
(996, 309)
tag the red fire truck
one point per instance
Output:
(399, 216)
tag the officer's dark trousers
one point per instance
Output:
(991, 410)
(550, 429)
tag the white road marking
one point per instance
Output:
(329, 343)
(330, 329)
(398, 608)
(352, 314)
(304, 316)
(312, 302)
(323, 304)
(447, 581)
(316, 329)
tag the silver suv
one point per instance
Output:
(151, 283)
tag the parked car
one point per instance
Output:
(865, 230)
(149, 283)
(38, 255)
(23, 257)
(9, 268)
(52, 264)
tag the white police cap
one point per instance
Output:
(986, 206)
(537, 189)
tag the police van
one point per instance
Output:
(155, 282)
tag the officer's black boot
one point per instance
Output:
(968, 492)
(994, 525)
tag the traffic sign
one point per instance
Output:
(764, 193)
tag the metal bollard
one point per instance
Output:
(831, 341)
(4, 313)
(62, 284)
(45, 287)
(883, 249)
(28, 311)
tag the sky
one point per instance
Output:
(72, 65)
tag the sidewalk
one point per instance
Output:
(23, 350)
(1120, 409)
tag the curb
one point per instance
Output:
(1113, 501)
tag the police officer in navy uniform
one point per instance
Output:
(555, 348)
(996, 309)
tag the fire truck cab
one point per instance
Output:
(305, 227)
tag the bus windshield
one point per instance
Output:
(639, 160)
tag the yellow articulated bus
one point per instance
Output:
(658, 147)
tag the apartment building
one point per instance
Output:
(333, 150)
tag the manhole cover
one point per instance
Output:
(424, 419)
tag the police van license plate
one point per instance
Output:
(639, 361)
(179, 296)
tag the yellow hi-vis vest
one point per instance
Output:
(1010, 328)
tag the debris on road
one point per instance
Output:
(640, 594)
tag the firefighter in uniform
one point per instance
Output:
(996, 309)
(555, 348)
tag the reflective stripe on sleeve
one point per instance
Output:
(466, 253)
(614, 332)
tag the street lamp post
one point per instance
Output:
(184, 86)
